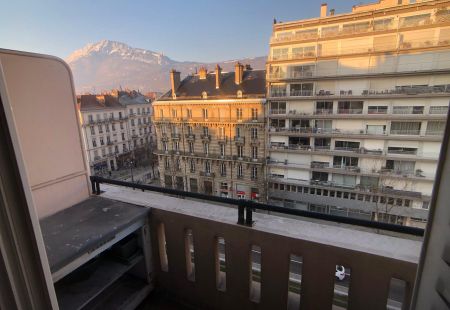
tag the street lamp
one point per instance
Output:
(130, 164)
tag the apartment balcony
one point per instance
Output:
(222, 139)
(323, 111)
(359, 134)
(201, 248)
(207, 174)
(301, 93)
(164, 137)
(176, 136)
(223, 119)
(254, 141)
(277, 111)
(239, 139)
(349, 111)
(360, 50)
(357, 197)
(417, 175)
(422, 155)
(189, 136)
(278, 93)
(205, 137)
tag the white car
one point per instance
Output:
(340, 272)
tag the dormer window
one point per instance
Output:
(204, 95)
(239, 93)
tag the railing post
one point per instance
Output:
(93, 186)
(97, 188)
(249, 216)
(241, 219)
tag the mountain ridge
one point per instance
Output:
(107, 64)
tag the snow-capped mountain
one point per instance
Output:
(109, 64)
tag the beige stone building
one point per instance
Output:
(357, 104)
(211, 133)
(117, 129)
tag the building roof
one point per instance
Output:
(98, 102)
(253, 86)
(115, 100)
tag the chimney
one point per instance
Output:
(323, 10)
(174, 81)
(238, 73)
(332, 11)
(202, 73)
(218, 73)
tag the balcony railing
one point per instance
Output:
(363, 49)
(327, 131)
(207, 174)
(205, 137)
(176, 136)
(323, 111)
(190, 136)
(349, 111)
(277, 111)
(295, 93)
(222, 139)
(239, 139)
(278, 93)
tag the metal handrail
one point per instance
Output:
(247, 207)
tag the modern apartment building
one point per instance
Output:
(211, 133)
(117, 129)
(357, 105)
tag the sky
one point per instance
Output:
(184, 30)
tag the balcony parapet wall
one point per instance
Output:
(373, 258)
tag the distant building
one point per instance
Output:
(357, 106)
(117, 129)
(211, 133)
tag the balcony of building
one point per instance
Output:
(391, 170)
(239, 139)
(393, 134)
(409, 91)
(390, 152)
(216, 262)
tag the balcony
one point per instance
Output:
(239, 139)
(369, 48)
(359, 152)
(189, 136)
(277, 111)
(278, 93)
(207, 174)
(323, 111)
(205, 137)
(350, 111)
(176, 136)
(222, 139)
(298, 93)
(213, 229)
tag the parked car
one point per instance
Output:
(340, 272)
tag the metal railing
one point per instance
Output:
(246, 207)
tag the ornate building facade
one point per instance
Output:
(210, 131)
